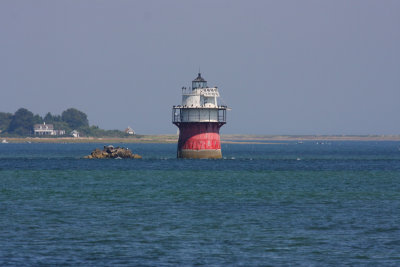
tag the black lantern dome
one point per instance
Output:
(199, 82)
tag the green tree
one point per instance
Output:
(57, 118)
(74, 118)
(22, 122)
(48, 118)
(37, 119)
(5, 119)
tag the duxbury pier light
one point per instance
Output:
(199, 119)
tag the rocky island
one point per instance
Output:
(111, 152)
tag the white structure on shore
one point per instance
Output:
(129, 130)
(75, 133)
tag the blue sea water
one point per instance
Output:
(283, 204)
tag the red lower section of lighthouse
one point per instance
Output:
(199, 140)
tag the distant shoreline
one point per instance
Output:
(225, 139)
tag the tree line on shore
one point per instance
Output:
(21, 123)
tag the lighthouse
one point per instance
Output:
(199, 119)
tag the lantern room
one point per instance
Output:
(199, 82)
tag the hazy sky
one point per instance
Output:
(285, 67)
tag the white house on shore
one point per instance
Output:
(129, 130)
(75, 133)
(46, 129)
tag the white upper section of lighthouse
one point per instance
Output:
(200, 95)
(199, 104)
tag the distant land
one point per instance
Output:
(71, 123)
(227, 139)
(25, 127)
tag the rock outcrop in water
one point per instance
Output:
(111, 152)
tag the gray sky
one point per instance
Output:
(285, 67)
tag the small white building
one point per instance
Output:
(75, 134)
(129, 130)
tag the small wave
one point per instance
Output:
(382, 230)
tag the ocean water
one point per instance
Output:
(284, 204)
